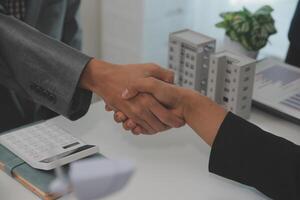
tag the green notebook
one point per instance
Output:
(37, 181)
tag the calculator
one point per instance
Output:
(46, 146)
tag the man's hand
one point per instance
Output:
(109, 81)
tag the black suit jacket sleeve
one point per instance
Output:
(295, 27)
(247, 154)
(292, 57)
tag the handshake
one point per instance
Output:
(145, 100)
(138, 95)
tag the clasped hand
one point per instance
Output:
(146, 114)
(172, 97)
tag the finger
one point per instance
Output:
(157, 73)
(137, 130)
(145, 85)
(155, 123)
(161, 74)
(131, 91)
(148, 129)
(120, 117)
(135, 133)
(136, 114)
(130, 124)
(166, 116)
(126, 127)
(143, 131)
(165, 93)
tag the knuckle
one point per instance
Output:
(153, 66)
(172, 75)
(150, 81)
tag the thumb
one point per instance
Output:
(141, 85)
(163, 92)
(129, 92)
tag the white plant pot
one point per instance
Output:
(236, 47)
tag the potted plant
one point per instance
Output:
(247, 32)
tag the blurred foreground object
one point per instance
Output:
(94, 178)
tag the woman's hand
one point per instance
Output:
(199, 112)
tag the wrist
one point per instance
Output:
(191, 101)
(94, 72)
(204, 116)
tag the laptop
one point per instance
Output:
(277, 89)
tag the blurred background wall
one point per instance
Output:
(130, 31)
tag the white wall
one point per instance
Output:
(163, 17)
(91, 31)
(90, 22)
(121, 30)
(128, 31)
(137, 30)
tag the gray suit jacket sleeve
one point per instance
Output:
(41, 68)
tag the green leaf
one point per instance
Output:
(263, 32)
(222, 24)
(270, 28)
(246, 11)
(265, 10)
(232, 35)
(245, 27)
(255, 25)
(227, 16)
(245, 43)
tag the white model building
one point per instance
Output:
(231, 80)
(189, 55)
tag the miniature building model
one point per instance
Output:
(231, 80)
(225, 77)
(189, 55)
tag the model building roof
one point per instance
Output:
(241, 59)
(192, 37)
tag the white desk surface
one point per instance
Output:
(170, 166)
